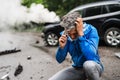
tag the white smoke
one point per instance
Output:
(38, 14)
(12, 13)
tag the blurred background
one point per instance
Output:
(26, 14)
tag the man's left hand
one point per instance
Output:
(79, 26)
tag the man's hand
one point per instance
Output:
(62, 41)
(79, 26)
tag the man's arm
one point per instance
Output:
(61, 54)
(88, 42)
(89, 45)
(62, 49)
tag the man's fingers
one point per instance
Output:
(63, 38)
(76, 23)
(62, 41)
(79, 20)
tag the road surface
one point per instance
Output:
(38, 61)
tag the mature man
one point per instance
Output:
(80, 40)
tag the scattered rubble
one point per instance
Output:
(5, 77)
(117, 55)
(41, 77)
(31, 77)
(9, 51)
(37, 42)
(18, 70)
(5, 67)
(44, 48)
(29, 57)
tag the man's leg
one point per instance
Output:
(93, 70)
(69, 73)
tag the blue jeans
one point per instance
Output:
(91, 71)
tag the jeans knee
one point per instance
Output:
(92, 70)
(89, 65)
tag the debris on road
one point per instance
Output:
(5, 77)
(117, 55)
(8, 78)
(37, 42)
(29, 57)
(41, 77)
(18, 70)
(5, 67)
(9, 51)
(40, 47)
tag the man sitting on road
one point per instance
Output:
(80, 40)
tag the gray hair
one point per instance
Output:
(68, 20)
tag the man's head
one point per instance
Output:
(68, 22)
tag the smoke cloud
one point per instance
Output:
(13, 13)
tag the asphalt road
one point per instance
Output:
(38, 61)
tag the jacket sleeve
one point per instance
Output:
(89, 44)
(61, 54)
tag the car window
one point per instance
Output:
(104, 10)
(113, 8)
(92, 11)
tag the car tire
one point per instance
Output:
(112, 37)
(51, 39)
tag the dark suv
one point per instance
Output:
(105, 16)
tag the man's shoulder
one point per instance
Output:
(88, 27)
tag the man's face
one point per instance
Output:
(73, 33)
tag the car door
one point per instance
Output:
(113, 10)
(92, 15)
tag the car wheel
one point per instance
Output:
(112, 37)
(51, 39)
